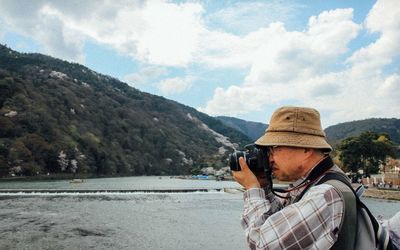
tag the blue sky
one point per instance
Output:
(236, 58)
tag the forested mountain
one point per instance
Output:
(57, 116)
(252, 129)
(334, 133)
(341, 131)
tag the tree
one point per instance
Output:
(62, 161)
(4, 167)
(39, 148)
(74, 166)
(367, 152)
(6, 126)
(19, 153)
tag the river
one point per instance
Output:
(129, 220)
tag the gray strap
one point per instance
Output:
(348, 225)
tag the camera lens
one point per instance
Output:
(234, 160)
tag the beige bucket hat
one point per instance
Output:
(295, 127)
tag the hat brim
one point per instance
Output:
(293, 139)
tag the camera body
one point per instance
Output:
(255, 156)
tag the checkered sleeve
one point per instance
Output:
(311, 223)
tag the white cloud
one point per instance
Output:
(171, 34)
(383, 19)
(306, 66)
(287, 66)
(271, 47)
(175, 85)
(283, 62)
(384, 16)
(390, 88)
(236, 100)
(326, 85)
(31, 19)
(155, 32)
(245, 17)
(145, 75)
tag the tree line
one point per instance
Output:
(369, 151)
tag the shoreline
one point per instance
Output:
(370, 192)
(384, 194)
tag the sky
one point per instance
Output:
(234, 58)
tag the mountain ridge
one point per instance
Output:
(334, 133)
(252, 129)
(50, 107)
(57, 117)
(390, 126)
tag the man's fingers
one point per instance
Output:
(243, 164)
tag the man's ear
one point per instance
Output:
(309, 152)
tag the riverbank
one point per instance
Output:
(370, 192)
(53, 177)
(382, 194)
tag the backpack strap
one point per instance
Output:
(348, 225)
(340, 181)
(347, 231)
(382, 238)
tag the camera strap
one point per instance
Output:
(318, 171)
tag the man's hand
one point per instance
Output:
(262, 179)
(245, 177)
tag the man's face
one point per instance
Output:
(287, 162)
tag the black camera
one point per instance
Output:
(255, 156)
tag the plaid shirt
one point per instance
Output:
(311, 223)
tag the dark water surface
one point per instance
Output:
(195, 220)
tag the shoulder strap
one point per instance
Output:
(348, 225)
(339, 181)
(347, 231)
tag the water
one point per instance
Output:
(195, 220)
(134, 183)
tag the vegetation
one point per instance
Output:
(367, 152)
(338, 132)
(334, 133)
(252, 129)
(59, 117)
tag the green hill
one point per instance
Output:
(334, 133)
(57, 116)
(252, 129)
(340, 131)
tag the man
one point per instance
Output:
(298, 153)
